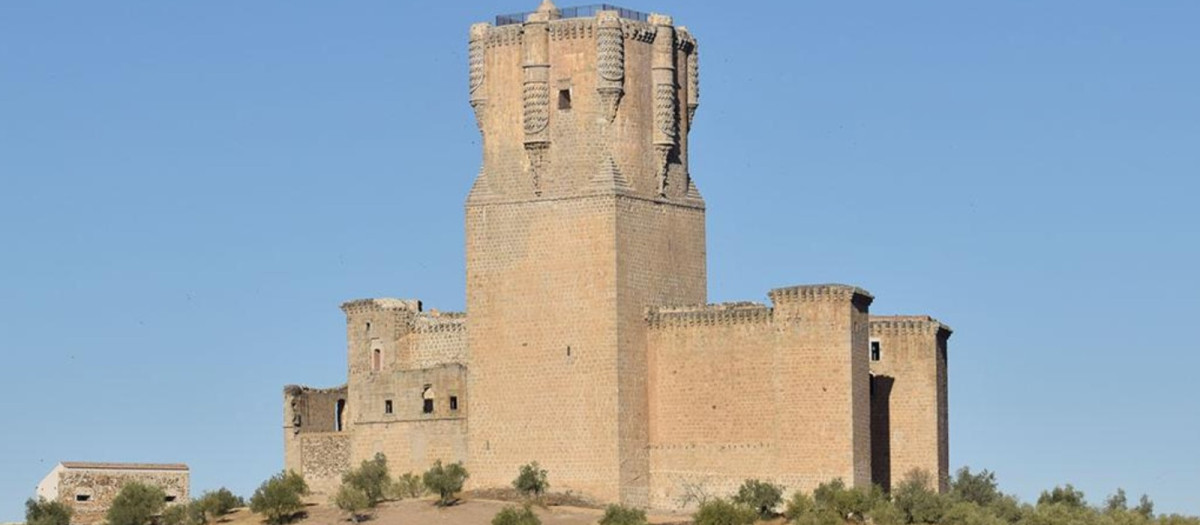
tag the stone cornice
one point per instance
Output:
(379, 304)
(693, 203)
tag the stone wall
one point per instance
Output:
(909, 399)
(97, 487)
(311, 410)
(324, 457)
(743, 390)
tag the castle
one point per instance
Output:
(587, 344)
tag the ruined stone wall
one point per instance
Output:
(324, 457)
(310, 410)
(743, 390)
(100, 486)
(909, 421)
(392, 418)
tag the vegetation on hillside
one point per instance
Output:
(42, 512)
(278, 499)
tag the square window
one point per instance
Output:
(387, 406)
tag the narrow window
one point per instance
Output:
(83, 497)
(169, 499)
(564, 99)
(368, 327)
(875, 351)
(377, 359)
(453, 402)
(427, 399)
(387, 406)
(339, 415)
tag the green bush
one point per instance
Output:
(851, 504)
(761, 496)
(42, 512)
(721, 512)
(353, 501)
(408, 485)
(915, 499)
(798, 505)
(214, 504)
(189, 514)
(136, 504)
(531, 481)
(620, 515)
(445, 481)
(1065, 495)
(513, 515)
(278, 498)
(371, 478)
(980, 489)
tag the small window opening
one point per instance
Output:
(876, 352)
(83, 497)
(568, 351)
(377, 359)
(339, 415)
(453, 402)
(368, 326)
(169, 499)
(427, 397)
(564, 99)
(387, 406)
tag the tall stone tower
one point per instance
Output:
(583, 215)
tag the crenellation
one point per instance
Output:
(722, 313)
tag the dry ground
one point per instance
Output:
(423, 512)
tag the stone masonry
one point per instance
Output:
(89, 488)
(588, 346)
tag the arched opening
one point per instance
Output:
(377, 360)
(427, 397)
(339, 416)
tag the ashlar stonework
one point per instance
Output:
(589, 346)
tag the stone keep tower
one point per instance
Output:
(582, 216)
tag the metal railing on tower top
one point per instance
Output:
(582, 11)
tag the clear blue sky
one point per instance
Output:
(189, 190)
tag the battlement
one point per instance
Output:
(584, 11)
(382, 303)
(709, 314)
(908, 324)
(820, 292)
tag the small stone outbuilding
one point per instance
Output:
(89, 488)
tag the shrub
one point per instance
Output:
(969, 513)
(799, 505)
(531, 481)
(1065, 495)
(980, 489)
(721, 512)
(761, 496)
(189, 514)
(42, 512)
(352, 500)
(916, 500)
(513, 515)
(849, 504)
(446, 481)
(408, 485)
(214, 504)
(620, 515)
(136, 504)
(371, 478)
(278, 498)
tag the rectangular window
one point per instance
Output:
(876, 352)
(83, 497)
(169, 499)
(387, 406)
(453, 402)
(427, 407)
(564, 99)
